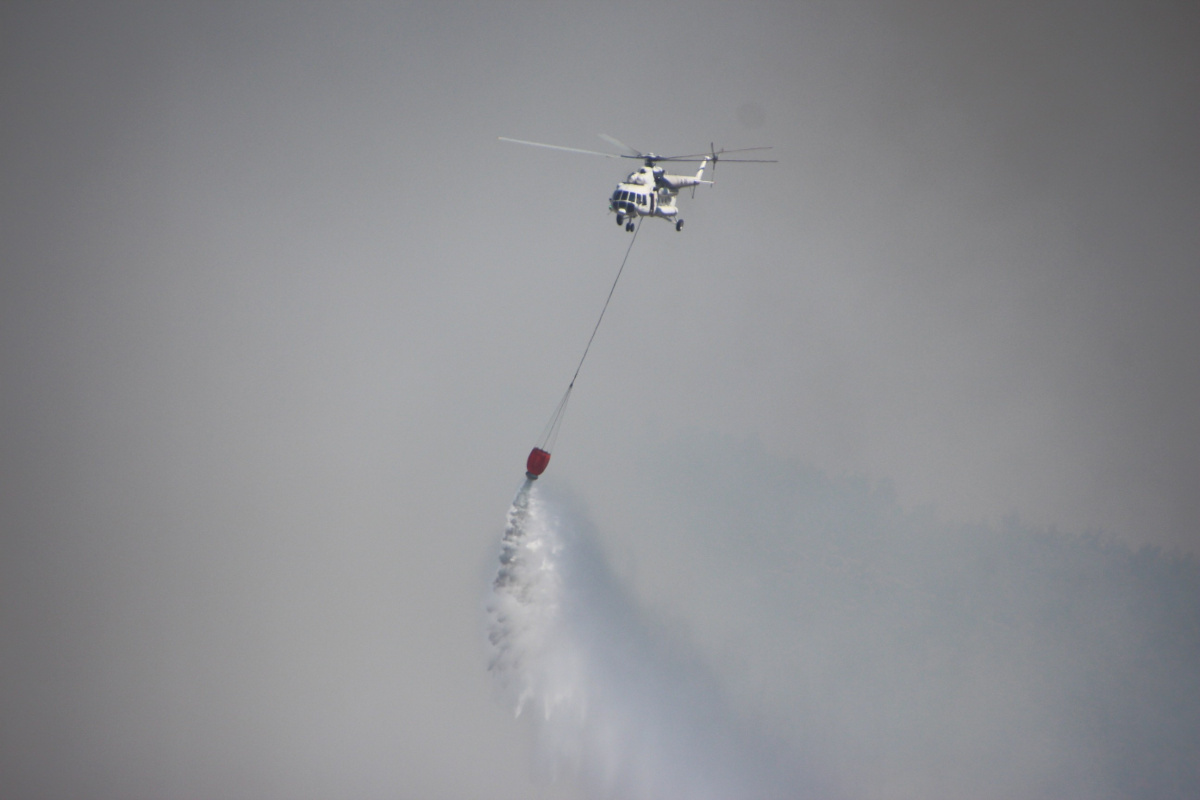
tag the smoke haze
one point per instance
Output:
(279, 317)
(841, 646)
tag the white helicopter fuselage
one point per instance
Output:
(651, 192)
(636, 197)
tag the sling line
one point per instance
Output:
(551, 431)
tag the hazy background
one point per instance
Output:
(280, 319)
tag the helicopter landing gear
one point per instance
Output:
(620, 219)
(678, 224)
(629, 226)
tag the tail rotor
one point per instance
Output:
(712, 158)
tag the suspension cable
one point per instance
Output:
(610, 294)
(551, 431)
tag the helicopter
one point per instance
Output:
(651, 191)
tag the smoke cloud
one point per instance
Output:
(825, 641)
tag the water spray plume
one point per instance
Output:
(615, 703)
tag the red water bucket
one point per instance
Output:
(536, 463)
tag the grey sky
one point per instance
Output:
(280, 319)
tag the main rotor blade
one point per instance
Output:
(694, 159)
(558, 147)
(720, 154)
(621, 145)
